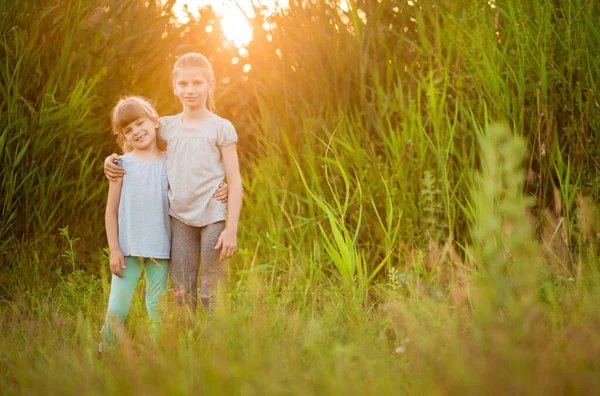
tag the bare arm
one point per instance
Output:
(114, 172)
(111, 222)
(228, 239)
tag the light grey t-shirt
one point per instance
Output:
(195, 168)
(144, 227)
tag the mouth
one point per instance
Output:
(140, 138)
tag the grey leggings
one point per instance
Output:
(192, 247)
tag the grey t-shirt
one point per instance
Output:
(195, 168)
(144, 227)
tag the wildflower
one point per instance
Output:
(400, 349)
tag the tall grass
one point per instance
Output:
(395, 237)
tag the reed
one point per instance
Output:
(421, 198)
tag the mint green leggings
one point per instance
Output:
(121, 293)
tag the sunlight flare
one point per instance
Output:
(234, 15)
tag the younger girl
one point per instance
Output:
(201, 152)
(137, 218)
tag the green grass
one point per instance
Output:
(420, 212)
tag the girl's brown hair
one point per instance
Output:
(126, 111)
(194, 59)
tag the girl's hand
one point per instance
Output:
(117, 261)
(222, 192)
(228, 244)
(113, 171)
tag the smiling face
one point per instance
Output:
(141, 133)
(192, 87)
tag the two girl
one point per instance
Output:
(179, 186)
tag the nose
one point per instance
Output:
(189, 90)
(137, 130)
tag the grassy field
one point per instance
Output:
(422, 183)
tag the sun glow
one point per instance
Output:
(234, 15)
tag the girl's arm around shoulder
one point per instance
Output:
(111, 221)
(113, 171)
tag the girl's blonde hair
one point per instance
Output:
(126, 111)
(194, 59)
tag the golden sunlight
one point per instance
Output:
(234, 15)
